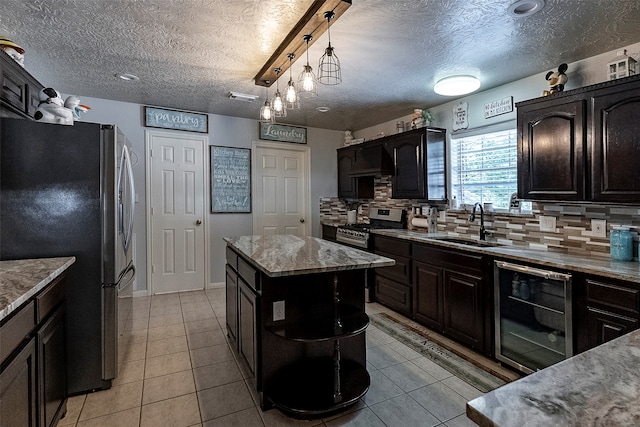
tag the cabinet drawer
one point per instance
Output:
(48, 300)
(392, 246)
(232, 258)
(250, 276)
(400, 272)
(395, 295)
(455, 259)
(16, 329)
(613, 296)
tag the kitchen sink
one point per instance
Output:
(468, 242)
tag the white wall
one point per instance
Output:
(226, 131)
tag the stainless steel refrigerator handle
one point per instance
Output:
(550, 275)
(132, 198)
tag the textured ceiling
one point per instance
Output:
(189, 54)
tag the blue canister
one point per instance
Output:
(620, 242)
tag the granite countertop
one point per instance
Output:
(22, 279)
(623, 270)
(288, 255)
(598, 387)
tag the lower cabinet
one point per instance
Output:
(393, 294)
(33, 376)
(607, 309)
(452, 294)
(393, 285)
(231, 305)
(247, 324)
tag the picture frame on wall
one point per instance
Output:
(230, 179)
(166, 118)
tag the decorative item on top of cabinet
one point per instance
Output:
(419, 157)
(559, 159)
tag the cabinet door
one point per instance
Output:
(463, 308)
(18, 391)
(616, 144)
(551, 152)
(393, 294)
(346, 161)
(408, 158)
(247, 338)
(604, 326)
(52, 372)
(427, 294)
(231, 308)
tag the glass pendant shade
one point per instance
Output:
(329, 64)
(307, 82)
(266, 112)
(291, 94)
(277, 105)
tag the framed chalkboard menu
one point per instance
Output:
(230, 179)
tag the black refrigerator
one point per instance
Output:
(68, 191)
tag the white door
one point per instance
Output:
(280, 189)
(176, 189)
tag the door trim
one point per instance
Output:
(307, 188)
(148, 136)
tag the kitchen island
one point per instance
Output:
(295, 314)
(598, 387)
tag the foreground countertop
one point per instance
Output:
(287, 255)
(596, 388)
(623, 270)
(22, 279)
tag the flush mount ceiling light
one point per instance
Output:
(127, 77)
(523, 8)
(456, 85)
(329, 65)
(312, 22)
(322, 109)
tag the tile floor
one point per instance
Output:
(180, 371)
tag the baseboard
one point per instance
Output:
(216, 285)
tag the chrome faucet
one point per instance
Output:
(472, 217)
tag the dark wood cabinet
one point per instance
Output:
(33, 375)
(231, 305)
(581, 145)
(329, 232)
(452, 294)
(419, 158)
(616, 144)
(607, 309)
(551, 151)
(393, 285)
(247, 334)
(350, 187)
(19, 96)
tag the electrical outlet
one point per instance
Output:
(548, 223)
(278, 310)
(599, 228)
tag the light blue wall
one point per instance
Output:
(227, 131)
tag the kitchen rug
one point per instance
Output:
(416, 340)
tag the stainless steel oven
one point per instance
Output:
(532, 316)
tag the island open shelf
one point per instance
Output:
(296, 316)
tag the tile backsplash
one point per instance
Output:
(572, 235)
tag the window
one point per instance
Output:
(484, 168)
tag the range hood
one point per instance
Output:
(371, 159)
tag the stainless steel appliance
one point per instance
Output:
(68, 190)
(532, 316)
(357, 235)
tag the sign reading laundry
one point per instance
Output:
(174, 119)
(275, 132)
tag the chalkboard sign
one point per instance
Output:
(230, 180)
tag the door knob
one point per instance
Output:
(198, 222)
(301, 219)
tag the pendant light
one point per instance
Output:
(307, 82)
(266, 112)
(329, 65)
(291, 94)
(278, 106)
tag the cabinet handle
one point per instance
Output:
(549, 275)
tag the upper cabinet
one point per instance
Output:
(19, 96)
(581, 145)
(350, 187)
(419, 157)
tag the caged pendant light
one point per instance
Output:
(266, 112)
(329, 65)
(291, 94)
(278, 105)
(307, 82)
